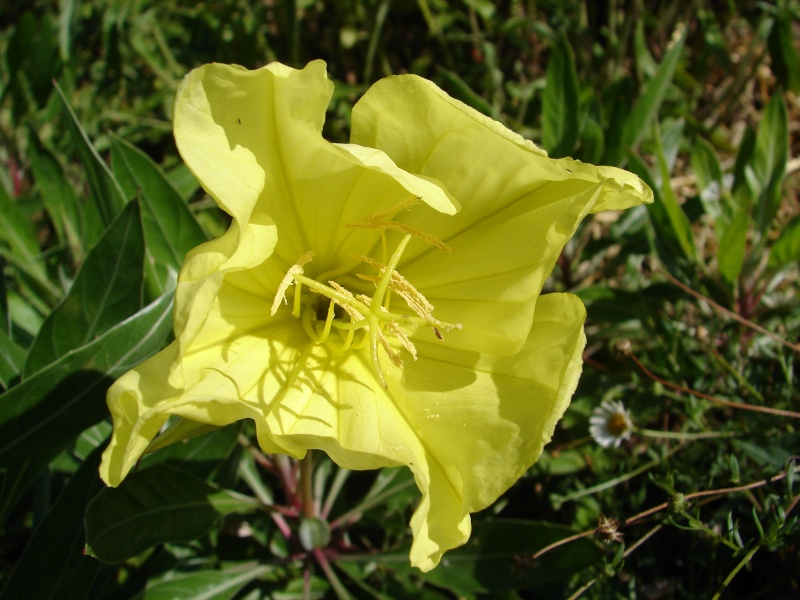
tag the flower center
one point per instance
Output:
(334, 316)
(617, 424)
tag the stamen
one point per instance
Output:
(393, 356)
(370, 314)
(394, 327)
(405, 229)
(402, 287)
(374, 336)
(388, 213)
(390, 268)
(351, 312)
(288, 279)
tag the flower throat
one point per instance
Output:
(357, 320)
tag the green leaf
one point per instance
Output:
(592, 145)
(52, 565)
(184, 181)
(663, 237)
(106, 290)
(730, 252)
(199, 456)
(560, 102)
(708, 170)
(169, 227)
(18, 242)
(105, 190)
(216, 584)
(616, 107)
(463, 91)
(157, 505)
(12, 358)
(484, 8)
(744, 156)
(43, 413)
(564, 463)
(179, 430)
(32, 61)
(785, 60)
(770, 455)
(646, 108)
(77, 223)
(786, 249)
(769, 160)
(15, 480)
(677, 219)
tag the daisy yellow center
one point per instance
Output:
(617, 424)
(334, 316)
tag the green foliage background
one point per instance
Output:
(693, 305)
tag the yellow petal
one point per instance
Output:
(518, 207)
(483, 420)
(253, 139)
(230, 123)
(216, 379)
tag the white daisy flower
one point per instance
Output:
(610, 424)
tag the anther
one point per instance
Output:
(288, 279)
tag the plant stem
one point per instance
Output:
(336, 584)
(740, 405)
(306, 485)
(736, 569)
(697, 524)
(681, 435)
(742, 380)
(664, 505)
(338, 482)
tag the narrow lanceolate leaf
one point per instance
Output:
(169, 227)
(52, 406)
(199, 456)
(216, 584)
(646, 108)
(106, 290)
(157, 505)
(466, 94)
(786, 249)
(77, 223)
(560, 106)
(664, 238)
(781, 42)
(730, 253)
(12, 358)
(18, 243)
(15, 481)
(106, 193)
(769, 160)
(56, 546)
(708, 170)
(679, 222)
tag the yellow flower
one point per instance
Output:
(376, 300)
